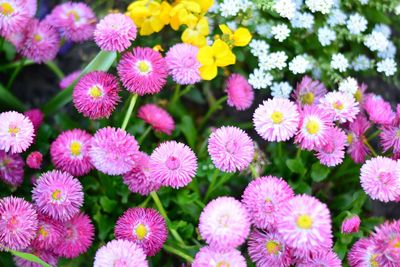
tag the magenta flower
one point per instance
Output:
(322, 258)
(49, 233)
(208, 256)
(355, 138)
(332, 153)
(276, 119)
(351, 224)
(34, 160)
(239, 91)
(363, 253)
(182, 64)
(263, 198)
(78, 237)
(11, 168)
(390, 138)
(36, 116)
(231, 149)
(158, 118)
(113, 151)
(120, 253)
(378, 110)
(14, 15)
(47, 256)
(58, 195)
(16, 132)
(115, 32)
(386, 239)
(173, 164)
(96, 95)
(18, 223)
(70, 152)
(341, 106)
(309, 92)
(224, 224)
(69, 79)
(143, 71)
(143, 226)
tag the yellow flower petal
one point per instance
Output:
(241, 37)
(146, 28)
(156, 24)
(208, 72)
(225, 29)
(223, 54)
(205, 56)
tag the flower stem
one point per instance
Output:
(175, 97)
(55, 69)
(129, 111)
(179, 253)
(144, 135)
(374, 134)
(16, 64)
(213, 108)
(253, 171)
(370, 148)
(15, 74)
(212, 184)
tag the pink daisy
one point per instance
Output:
(143, 71)
(36, 116)
(96, 95)
(113, 150)
(315, 124)
(341, 106)
(70, 152)
(207, 257)
(58, 195)
(49, 233)
(76, 21)
(47, 256)
(268, 249)
(380, 178)
(387, 239)
(173, 164)
(34, 160)
(78, 237)
(351, 224)
(305, 225)
(390, 138)
(356, 137)
(224, 224)
(157, 117)
(143, 226)
(42, 42)
(239, 91)
(309, 92)
(120, 253)
(69, 79)
(231, 149)
(378, 110)
(276, 119)
(332, 153)
(322, 258)
(11, 168)
(182, 64)
(18, 223)
(363, 253)
(263, 197)
(14, 16)
(138, 179)
(16, 132)
(115, 32)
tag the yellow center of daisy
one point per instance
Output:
(223, 264)
(56, 195)
(74, 14)
(350, 138)
(141, 231)
(95, 92)
(273, 247)
(267, 200)
(5, 162)
(358, 96)
(13, 130)
(37, 38)
(398, 133)
(43, 232)
(308, 98)
(312, 127)
(75, 148)
(304, 221)
(143, 67)
(6, 9)
(338, 105)
(373, 261)
(277, 117)
(223, 220)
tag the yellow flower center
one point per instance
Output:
(74, 14)
(75, 148)
(304, 221)
(6, 9)
(338, 105)
(273, 247)
(350, 138)
(43, 232)
(223, 264)
(398, 133)
(37, 37)
(312, 127)
(13, 130)
(267, 200)
(358, 96)
(373, 261)
(56, 195)
(141, 231)
(308, 98)
(277, 117)
(95, 92)
(397, 244)
(143, 67)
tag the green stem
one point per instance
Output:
(213, 108)
(129, 111)
(210, 188)
(298, 154)
(280, 149)
(370, 148)
(374, 134)
(15, 64)
(253, 171)
(175, 97)
(144, 203)
(10, 100)
(55, 69)
(15, 74)
(144, 135)
(29, 257)
(179, 253)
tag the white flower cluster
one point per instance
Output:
(303, 21)
(361, 62)
(280, 32)
(230, 8)
(323, 6)
(275, 60)
(387, 66)
(281, 89)
(258, 47)
(348, 86)
(376, 41)
(339, 62)
(285, 8)
(356, 24)
(260, 79)
(299, 65)
(326, 35)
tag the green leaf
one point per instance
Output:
(319, 172)
(188, 129)
(103, 61)
(29, 257)
(9, 100)
(296, 166)
(107, 204)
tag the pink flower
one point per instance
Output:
(355, 138)
(17, 38)
(70, 152)
(34, 160)
(120, 253)
(207, 257)
(58, 195)
(231, 149)
(276, 119)
(224, 224)
(143, 226)
(380, 178)
(18, 223)
(96, 95)
(309, 92)
(387, 239)
(16, 132)
(341, 106)
(47, 256)
(113, 150)
(48, 234)
(69, 79)
(360, 95)
(182, 64)
(315, 124)
(322, 258)
(11, 168)
(173, 164)
(14, 16)
(76, 21)
(351, 224)
(143, 71)
(36, 116)
(78, 237)
(390, 138)
(42, 42)
(264, 197)
(268, 249)
(138, 179)
(305, 225)
(115, 32)
(379, 111)
(363, 253)
(239, 91)
(157, 117)
(332, 153)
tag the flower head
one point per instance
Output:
(390, 138)
(14, 16)
(309, 92)
(239, 91)
(16, 132)
(49, 233)
(323, 258)
(332, 153)
(342, 106)
(34, 160)
(378, 110)
(157, 117)
(387, 239)
(69, 79)
(208, 256)
(36, 116)
(355, 139)
(239, 37)
(11, 168)
(351, 224)
(363, 253)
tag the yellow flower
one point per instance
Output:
(196, 35)
(212, 57)
(241, 37)
(184, 12)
